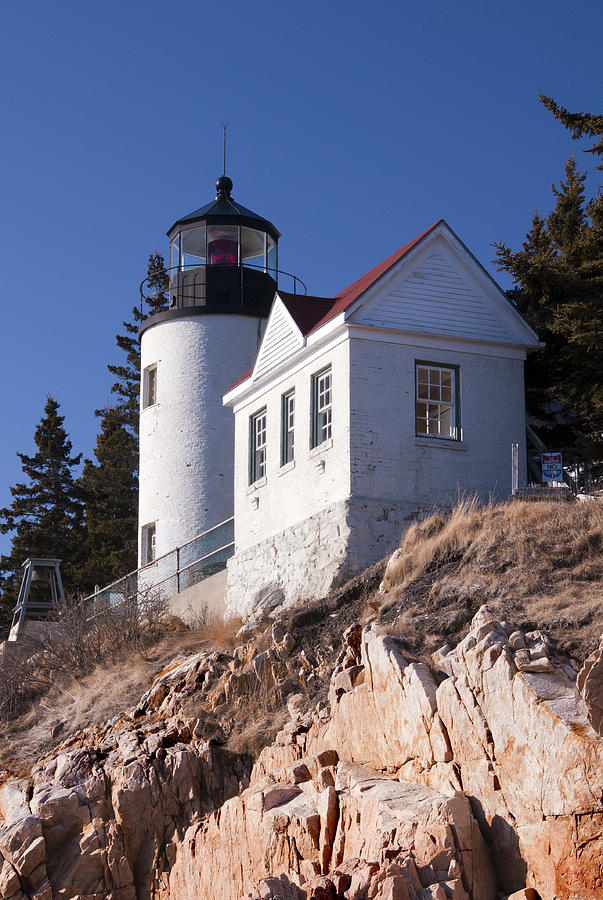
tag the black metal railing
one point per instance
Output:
(186, 285)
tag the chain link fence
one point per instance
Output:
(169, 574)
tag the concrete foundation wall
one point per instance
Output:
(305, 561)
(202, 603)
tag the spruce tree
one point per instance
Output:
(110, 490)
(46, 512)
(558, 274)
(110, 486)
(580, 124)
(127, 374)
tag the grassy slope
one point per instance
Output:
(537, 565)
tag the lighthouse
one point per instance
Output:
(223, 273)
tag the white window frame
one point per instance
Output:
(149, 386)
(288, 427)
(322, 407)
(258, 432)
(149, 543)
(437, 408)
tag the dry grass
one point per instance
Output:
(258, 729)
(64, 699)
(539, 565)
(72, 705)
(220, 635)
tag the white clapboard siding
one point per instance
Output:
(281, 340)
(438, 298)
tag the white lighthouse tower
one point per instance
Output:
(223, 275)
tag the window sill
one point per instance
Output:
(256, 485)
(150, 406)
(287, 467)
(320, 448)
(442, 443)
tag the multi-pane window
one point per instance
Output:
(322, 402)
(288, 435)
(257, 468)
(149, 538)
(149, 386)
(436, 403)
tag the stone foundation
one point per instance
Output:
(308, 559)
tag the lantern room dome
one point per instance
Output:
(223, 210)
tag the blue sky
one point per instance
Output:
(353, 127)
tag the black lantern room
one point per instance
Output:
(223, 258)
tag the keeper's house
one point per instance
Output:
(365, 410)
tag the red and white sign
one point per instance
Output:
(552, 467)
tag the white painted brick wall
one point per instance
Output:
(187, 438)
(289, 496)
(387, 459)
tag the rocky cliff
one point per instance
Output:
(476, 775)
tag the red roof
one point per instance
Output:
(243, 377)
(305, 310)
(345, 298)
(311, 313)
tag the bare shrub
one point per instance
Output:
(71, 644)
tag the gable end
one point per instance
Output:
(281, 340)
(443, 291)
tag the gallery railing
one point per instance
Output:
(185, 285)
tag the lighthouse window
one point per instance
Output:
(149, 387)
(322, 405)
(174, 255)
(271, 263)
(193, 247)
(288, 414)
(252, 247)
(149, 543)
(257, 468)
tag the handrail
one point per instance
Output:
(157, 584)
(201, 559)
(175, 550)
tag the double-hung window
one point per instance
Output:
(257, 434)
(149, 386)
(436, 403)
(322, 406)
(288, 428)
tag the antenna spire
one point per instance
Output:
(224, 126)
(224, 184)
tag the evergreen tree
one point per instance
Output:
(46, 512)
(558, 274)
(110, 487)
(110, 490)
(580, 124)
(127, 383)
